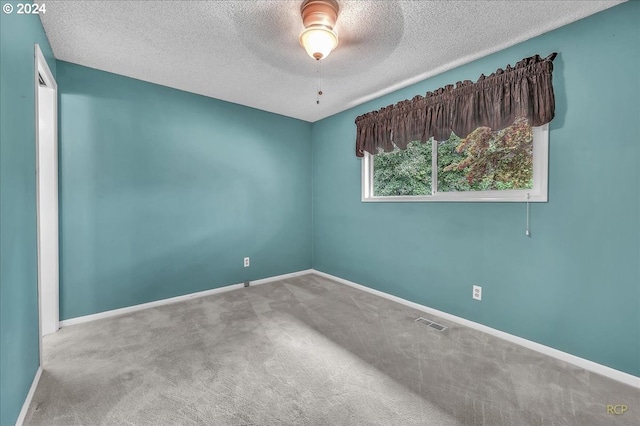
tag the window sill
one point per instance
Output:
(483, 197)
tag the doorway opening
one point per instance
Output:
(46, 97)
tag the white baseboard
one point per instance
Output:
(27, 401)
(143, 306)
(594, 367)
(282, 277)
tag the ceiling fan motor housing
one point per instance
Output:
(319, 13)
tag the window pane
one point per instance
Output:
(406, 172)
(487, 160)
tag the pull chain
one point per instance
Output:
(318, 82)
(527, 232)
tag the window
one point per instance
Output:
(504, 165)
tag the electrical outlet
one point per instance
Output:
(477, 292)
(246, 262)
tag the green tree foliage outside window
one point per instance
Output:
(403, 172)
(484, 160)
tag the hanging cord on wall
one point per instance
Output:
(527, 232)
(318, 81)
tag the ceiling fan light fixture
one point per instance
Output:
(318, 42)
(319, 17)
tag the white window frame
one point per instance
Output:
(539, 192)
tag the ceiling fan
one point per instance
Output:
(319, 19)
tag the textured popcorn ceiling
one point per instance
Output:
(247, 52)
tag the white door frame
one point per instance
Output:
(48, 288)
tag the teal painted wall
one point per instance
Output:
(18, 252)
(575, 285)
(164, 192)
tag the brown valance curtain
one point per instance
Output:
(495, 101)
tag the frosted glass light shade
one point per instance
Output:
(318, 41)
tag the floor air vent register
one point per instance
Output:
(431, 324)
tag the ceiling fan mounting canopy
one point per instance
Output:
(319, 12)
